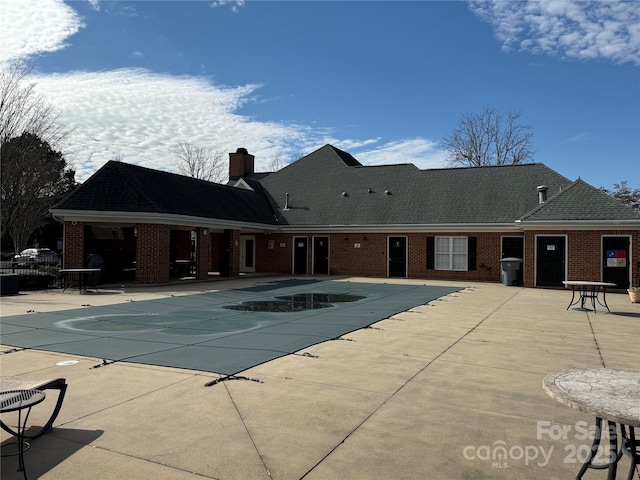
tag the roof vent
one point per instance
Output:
(286, 201)
(345, 194)
(387, 192)
(542, 193)
(370, 190)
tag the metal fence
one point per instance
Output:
(33, 277)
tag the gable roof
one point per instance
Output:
(122, 187)
(330, 190)
(581, 202)
(324, 189)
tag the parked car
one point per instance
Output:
(34, 257)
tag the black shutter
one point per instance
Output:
(431, 253)
(472, 243)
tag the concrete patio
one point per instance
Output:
(436, 392)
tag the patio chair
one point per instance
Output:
(95, 261)
(19, 383)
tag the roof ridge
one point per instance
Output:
(551, 199)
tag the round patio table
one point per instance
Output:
(607, 394)
(19, 400)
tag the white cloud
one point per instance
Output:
(236, 5)
(421, 152)
(585, 30)
(140, 117)
(28, 28)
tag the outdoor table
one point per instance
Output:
(82, 276)
(587, 290)
(607, 394)
(184, 266)
(18, 400)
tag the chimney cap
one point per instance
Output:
(242, 150)
(542, 188)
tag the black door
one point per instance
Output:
(300, 255)
(398, 257)
(615, 259)
(321, 255)
(513, 247)
(550, 252)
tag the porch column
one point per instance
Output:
(232, 260)
(203, 255)
(73, 245)
(152, 253)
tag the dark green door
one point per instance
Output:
(615, 259)
(550, 261)
(300, 255)
(398, 257)
(321, 255)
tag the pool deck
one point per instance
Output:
(448, 390)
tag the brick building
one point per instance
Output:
(327, 214)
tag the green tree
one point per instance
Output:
(624, 193)
(34, 177)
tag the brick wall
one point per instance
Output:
(73, 245)
(371, 257)
(277, 259)
(203, 254)
(230, 254)
(584, 252)
(152, 253)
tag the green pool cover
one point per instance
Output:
(224, 332)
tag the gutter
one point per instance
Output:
(132, 218)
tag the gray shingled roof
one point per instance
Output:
(330, 188)
(480, 195)
(581, 202)
(121, 187)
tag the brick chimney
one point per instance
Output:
(240, 164)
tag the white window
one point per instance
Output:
(451, 253)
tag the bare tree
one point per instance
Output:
(33, 174)
(627, 195)
(276, 163)
(22, 109)
(201, 162)
(489, 138)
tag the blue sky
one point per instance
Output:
(384, 80)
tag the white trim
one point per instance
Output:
(243, 257)
(402, 228)
(450, 253)
(157, 218)
(242, 184)
(580, 225)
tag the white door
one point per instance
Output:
(247, 253)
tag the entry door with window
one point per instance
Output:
(550, 261)
(321, 255)
(398, 257)
(615, 261)
(247, 253)
(300, 255)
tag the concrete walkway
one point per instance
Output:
(431, 393)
